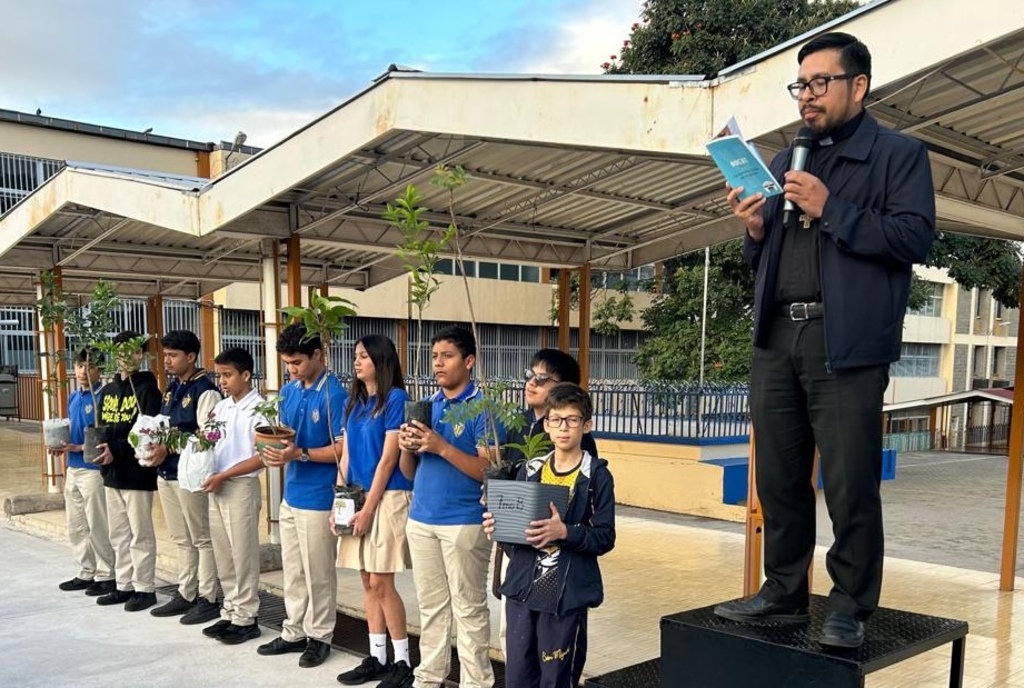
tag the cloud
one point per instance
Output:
(587, 38)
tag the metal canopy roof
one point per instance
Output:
(563, 170)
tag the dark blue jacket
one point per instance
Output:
(181, 404)
(878, 220)
(590, 518)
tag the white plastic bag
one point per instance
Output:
(195, 466)
(141, 436)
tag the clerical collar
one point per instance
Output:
(843, 131)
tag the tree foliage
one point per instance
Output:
(991, 264)
(705, 36)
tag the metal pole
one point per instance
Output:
(703, 343)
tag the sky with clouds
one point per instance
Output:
(204, 69)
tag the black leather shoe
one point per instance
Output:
(235, 635)
(75, 583)
(280, 646)
(100, 588)
(116, 597)
(217, 629)
(176, 605)
(841, 630)
(140, 601)
(757, 610)
(315, 654)
(201, 612)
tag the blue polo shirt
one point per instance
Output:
(309, 484)
(81, 414)
(442, 495)
(365, 433)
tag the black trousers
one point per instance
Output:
(797, 404)
(543, 650)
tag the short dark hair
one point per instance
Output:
(558, 363)
(91, 356)
(462, 338)
(293, 340)
(854, 56)
(236, 357)
(127, 335)
(181, 340)
(567, 395)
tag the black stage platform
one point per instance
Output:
(701, 650)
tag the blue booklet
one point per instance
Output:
(741, 164)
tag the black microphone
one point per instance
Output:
(798, 163)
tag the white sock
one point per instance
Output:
(401, 648)
(379, 647)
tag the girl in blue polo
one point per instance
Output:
(377, 547)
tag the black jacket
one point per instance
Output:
(182, 405)
(590, 518)
(878, 220)
(118, 411)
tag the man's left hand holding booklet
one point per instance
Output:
(741, 164)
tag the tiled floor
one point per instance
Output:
(661, 566)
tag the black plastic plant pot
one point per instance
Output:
(418, 410)
(514, 504)
(348, 499)
(93, 436)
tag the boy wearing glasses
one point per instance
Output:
(546, 607)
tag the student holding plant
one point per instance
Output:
(449, 550)
(189, 398)
(129, 486)
(84, 497)
(234, 493)
(377, 545)
(308, 547)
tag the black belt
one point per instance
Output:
(801, 311)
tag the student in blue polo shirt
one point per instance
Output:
(84, 499)
(308, 547)
(377, 545)
(449, 549)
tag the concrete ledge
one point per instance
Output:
(270, 557)
(17, 505)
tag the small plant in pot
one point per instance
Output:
(271, 434)
(52, 308)
(89, 326)
(324, 318)
(147, 431)
(420, 252)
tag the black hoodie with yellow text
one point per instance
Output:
(118, 409)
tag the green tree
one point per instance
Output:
(705, 36)
(674, 319)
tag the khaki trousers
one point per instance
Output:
(188, 523)
(235, 532)
(85, 505)
(308, 551)
(130, 519)
(449, 568)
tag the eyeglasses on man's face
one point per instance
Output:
(539, 378)
(818, 86)
(571, 422)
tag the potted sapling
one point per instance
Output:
(324, 318)
(271, 433)
(52, 308)
(198, 462)
(420, 252)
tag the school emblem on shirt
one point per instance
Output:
(458, 429)
(315, 415)
(186, 401)
(88, 408)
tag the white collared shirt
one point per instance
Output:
(239, 441)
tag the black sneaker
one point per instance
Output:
(235, 635)
(217, 629)
(116, 597)
(315, 654)
(203, 611)
(140, 601)
(370, 670)
(75, 583)
(177, 605)
(280, 646)
(100, 588)
(399, 676)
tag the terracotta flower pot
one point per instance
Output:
(271, 436)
